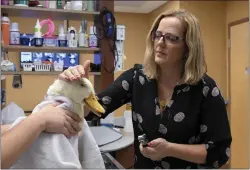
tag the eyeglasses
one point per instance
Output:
(168, 37)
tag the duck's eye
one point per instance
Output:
(82, 85)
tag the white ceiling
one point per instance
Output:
(142, 6)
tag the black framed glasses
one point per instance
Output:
(168, 37)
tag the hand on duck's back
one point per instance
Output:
(76, 72)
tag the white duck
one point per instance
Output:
(79, 92)
(56, 150)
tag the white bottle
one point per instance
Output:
(14, 34)
(76, 5)
(52, 4)
(83, 37)
(92, 37)
(128, 119)
(61, 35)
(37, 30)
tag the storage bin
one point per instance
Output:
(42, 67)
(27, 66)
(58, 66)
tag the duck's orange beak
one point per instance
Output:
(92, 103)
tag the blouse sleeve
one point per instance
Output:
(214, 128)
(117, 93)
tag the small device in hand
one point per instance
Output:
(143, 140)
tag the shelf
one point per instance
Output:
(41, 73)
(22, 48)
(35, 12)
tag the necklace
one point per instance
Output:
(164, 102)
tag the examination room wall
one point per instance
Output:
(213, 20)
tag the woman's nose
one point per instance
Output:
(161, 42)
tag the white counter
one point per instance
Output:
(126, 140)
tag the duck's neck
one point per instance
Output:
(75, 107)
(78, 109)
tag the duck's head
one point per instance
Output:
(79, 91)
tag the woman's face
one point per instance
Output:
(169, 43)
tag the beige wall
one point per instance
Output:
(136, 30)
(171, 5)
(237, 10)
(212, 17)
(134, 44)
(234, 14)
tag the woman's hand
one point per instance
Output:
(58, 120)
(156, 150)
(76, 72)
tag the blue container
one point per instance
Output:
(38, 42)
(62, 43)
(24, 40)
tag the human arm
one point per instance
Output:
(213, 148)
(50, 119)
(215, 130)
(160, 148)
(191, 153)
(4, 128)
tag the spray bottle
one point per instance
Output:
(93, 41)
(62, 42)
(83, 36)
(38, 35)
(37, 30)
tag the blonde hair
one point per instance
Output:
(195, 65)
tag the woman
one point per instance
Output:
(18, 139)
(174, 102)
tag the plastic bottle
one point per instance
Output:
(128, 118)
(5, 27)
(59, 4)
(90, 6)
(83, 36)
(14, 34)
(62, 37)
(92, 37)
(84, 5)
(37, 30)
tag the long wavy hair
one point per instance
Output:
(194, 66)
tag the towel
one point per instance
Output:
(58, 151)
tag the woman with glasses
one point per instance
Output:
(176, 106)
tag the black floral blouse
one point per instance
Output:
(195, 115)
